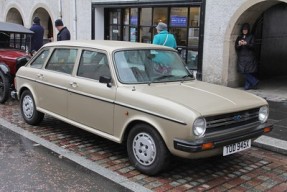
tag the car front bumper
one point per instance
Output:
(220, 141)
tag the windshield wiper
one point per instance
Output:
(160, 78)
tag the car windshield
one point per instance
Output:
(149, 66)
(14, 40)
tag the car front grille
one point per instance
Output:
(231, 120)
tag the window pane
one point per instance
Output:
(180, 35)
(62, 60)
(159, 15)
(146, 16)
(194, 16)
(115, 17)
(133, 33)
(126, 33)
(192, 59)
(115, 33)
(145, 34)
(193, 37)
(40, 60)
(178, 17)
(93, 65)
(127, 17)
(134, 16)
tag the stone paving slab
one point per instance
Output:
(250, 170)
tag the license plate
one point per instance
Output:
(236, 147)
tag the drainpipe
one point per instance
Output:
(75, 20)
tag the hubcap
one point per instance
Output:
(144, 148)
(28, 107)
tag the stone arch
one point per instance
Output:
(249, 12)
(14, 16)
(46, 22)
(46, 18)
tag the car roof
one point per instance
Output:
(13, 27)
(105, 44)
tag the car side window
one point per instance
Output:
(62, 60)
(40, 60)
(93, 65)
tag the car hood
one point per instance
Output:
(11, 53)
(205, 98)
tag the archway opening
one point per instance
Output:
(267, 20)
(14, 16)
(46, 22)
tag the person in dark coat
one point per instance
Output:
(37, 37)
(64, 33)
(246, 60)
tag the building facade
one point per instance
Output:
(205, 29)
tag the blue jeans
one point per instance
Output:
(250, 81)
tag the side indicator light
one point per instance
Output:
(207, 146)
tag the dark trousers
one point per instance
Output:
(250, 81)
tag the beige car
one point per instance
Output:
(141, 95)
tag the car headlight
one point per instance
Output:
(263, 114)
(199, 126)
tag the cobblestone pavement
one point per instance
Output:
(251, 170)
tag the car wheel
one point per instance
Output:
(28, 109)
(4, 88)
(147, 150)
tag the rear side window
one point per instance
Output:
(62, 60)
(40, 60)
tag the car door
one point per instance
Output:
(54, 81)
(90, 102)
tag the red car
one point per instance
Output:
(14, 45)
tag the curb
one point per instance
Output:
(271, 144)
(93, 166)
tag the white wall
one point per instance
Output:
(77, 20)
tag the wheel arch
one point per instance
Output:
(134, 122)
(23, 88)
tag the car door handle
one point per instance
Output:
(74, 84)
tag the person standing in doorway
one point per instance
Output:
(37, 37)
(64, 33)
(163, 37)
(246, 60)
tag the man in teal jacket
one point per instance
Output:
(163, 37)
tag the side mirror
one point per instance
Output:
(106, 79)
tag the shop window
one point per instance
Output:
(145, 34)
(127, 16)
(115, 33)
(115, 17)
(178, 17)
(194, 16)
(160, 15)
(146, 17)
(134, 17)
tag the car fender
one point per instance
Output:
(27, 87)
(4, 69)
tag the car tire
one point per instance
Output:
(4, 88)
(147, 150)
(28, 109)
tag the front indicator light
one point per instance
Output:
(207, 146)
(267, 129)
